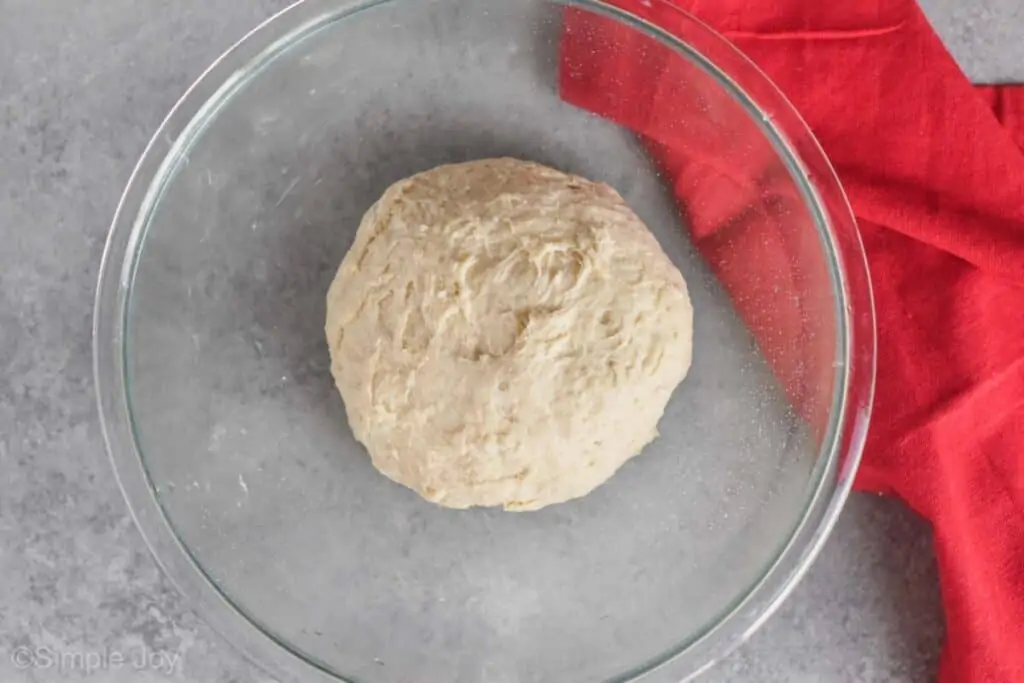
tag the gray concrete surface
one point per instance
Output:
(82, 86)
(984, 36)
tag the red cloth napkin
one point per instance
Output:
(934, 170)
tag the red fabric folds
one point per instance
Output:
(934, 170)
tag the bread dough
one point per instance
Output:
(503, 333)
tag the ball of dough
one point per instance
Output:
(505, 334)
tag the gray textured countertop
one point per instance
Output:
(82, 86)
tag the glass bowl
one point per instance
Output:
(231, 443)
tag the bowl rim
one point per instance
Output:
(688, 36)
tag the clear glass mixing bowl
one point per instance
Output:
(231, 443)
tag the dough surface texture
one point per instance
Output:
(505, 334)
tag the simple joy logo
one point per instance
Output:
(69, 661)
